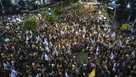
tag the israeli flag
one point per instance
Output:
(13, 73)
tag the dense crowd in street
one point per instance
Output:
(25, 53)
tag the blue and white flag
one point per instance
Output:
(13, 73)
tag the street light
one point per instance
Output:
(114, 6)
(113, 2)
(128, 6)
(3, 11)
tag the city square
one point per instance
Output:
(67, 38)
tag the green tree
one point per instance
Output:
(30, 23)
(6, 3)
(67, 2)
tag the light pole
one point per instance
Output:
(114, 13)
(128, 7)
(3, 11)
(114, 5)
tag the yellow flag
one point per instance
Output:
(92, 73)
(124, 27)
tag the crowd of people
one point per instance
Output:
(26, 53)
(11, 19)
